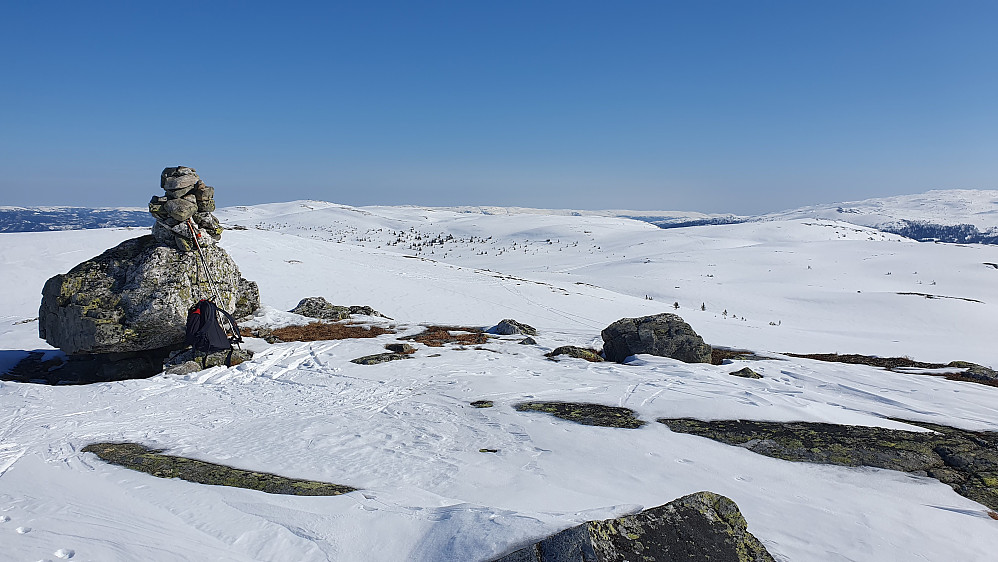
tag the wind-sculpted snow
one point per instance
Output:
(406, 434)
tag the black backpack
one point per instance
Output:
(205, 334)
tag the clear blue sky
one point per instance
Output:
(740, 106)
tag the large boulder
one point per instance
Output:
(135, 296)
(693, 528)
(665, 335)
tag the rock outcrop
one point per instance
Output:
(693, 528)
(665, 335)
(184, 214)
(576, 352)
(321, 309)
(966, 460)
(135, 296)
(510, 327)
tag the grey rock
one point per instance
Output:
(665, 335)
(379, 358)
(405, 348)
(180, 209)
(576, 352)
(509, 327)
(181, 358)
(320, 308)
(206, 206)
(156, 208)
(204, 192)
(746, 372)
(178, 178)
(135, 297)
(365, 311)
(693, 528)
(528, 341)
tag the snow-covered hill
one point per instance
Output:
(404, 431)
(955, 215)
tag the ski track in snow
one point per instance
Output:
(404, 431)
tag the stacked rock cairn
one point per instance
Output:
(187, 206)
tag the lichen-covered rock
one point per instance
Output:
(321, 309)
(379, 358)
(747, 373)
(138, 457)
(135, 297)
(665, 335)
(975, 372)
(510, 327)
(966, 460)
(694, 528)
(585, 413)
(576, 352)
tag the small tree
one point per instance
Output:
(725, 313)
(675, 305)
(703, 306)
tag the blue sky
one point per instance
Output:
(740, 106)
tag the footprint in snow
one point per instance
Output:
(64, 553)
(4, 519)
(23, 530)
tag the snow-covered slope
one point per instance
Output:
(404, 431)
(955, 215)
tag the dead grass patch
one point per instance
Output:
(320, 331)
(437, 336)
(993, 515)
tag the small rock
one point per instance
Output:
(403, 348)
(528, 341)
(577, 352)
(379, 358)
(509, 327)
(482, 403)
(180, 209)
(488, 450)
(746, 372)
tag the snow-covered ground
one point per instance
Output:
(978, 207)
(405, 434)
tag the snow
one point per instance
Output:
(977, 207)
(404, 431)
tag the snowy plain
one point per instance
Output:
(404, 432)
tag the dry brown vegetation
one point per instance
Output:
(318, 331)
(993, 515)
(437, 336)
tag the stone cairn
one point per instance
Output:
(187, 199)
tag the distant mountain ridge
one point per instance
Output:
(40, 219)
(962, 216)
